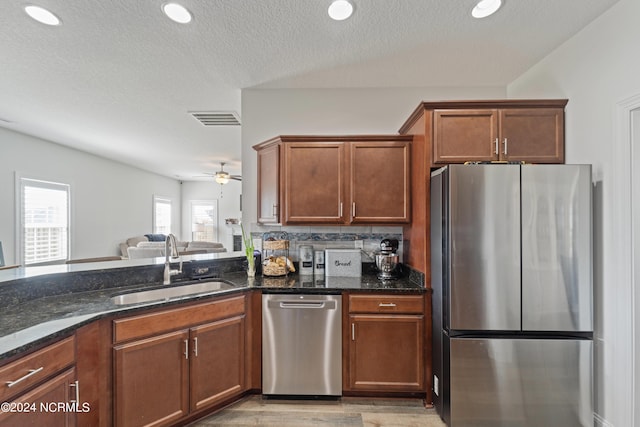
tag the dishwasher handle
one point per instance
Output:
(322, 305)
(301, 304)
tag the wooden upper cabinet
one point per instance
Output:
(379, 182)
(495, 130)
(532, 135)
(268, 184)
(465, 135)
(314, 181)
(338, 180)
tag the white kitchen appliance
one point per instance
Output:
(343, 262)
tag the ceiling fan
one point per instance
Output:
(222, 177)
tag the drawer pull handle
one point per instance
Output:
(31, 373)
(195, 346)
(186, 349)
(386, 304)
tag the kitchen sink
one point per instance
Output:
(169, 293)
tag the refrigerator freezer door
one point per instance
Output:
(484, 248)
(556, 248)
(520, 382)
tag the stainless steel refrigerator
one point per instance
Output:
(512, 287)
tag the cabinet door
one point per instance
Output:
(465, 135)
(379, 182)
(217, 361)
(152, 380)
(532, 135)
(386, 353)
(268, 185)
(314, 183)
(43, 404)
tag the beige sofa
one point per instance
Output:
(141, 247)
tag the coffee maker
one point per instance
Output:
(387, 259)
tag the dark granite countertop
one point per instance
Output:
(33, 320)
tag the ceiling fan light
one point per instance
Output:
(486, 8)
(42, 15)
(220, 179)
(340, 10)
(176, 12)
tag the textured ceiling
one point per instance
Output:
(119, 79)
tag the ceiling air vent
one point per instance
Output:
(217, 118)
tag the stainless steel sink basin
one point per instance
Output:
(168, 293)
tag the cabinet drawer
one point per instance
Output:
(386, 303)
(35, 367)
(169, 320)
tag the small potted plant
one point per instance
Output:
(248, 250)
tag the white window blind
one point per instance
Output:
(203, 221)
(44, 219)
(161, 215)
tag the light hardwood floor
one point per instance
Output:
(346, 412)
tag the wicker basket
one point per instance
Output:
(274, 245)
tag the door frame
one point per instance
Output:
(625, 212)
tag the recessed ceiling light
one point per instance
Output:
(485, 8)
(177, 13)
(340, 10)
(42, 15)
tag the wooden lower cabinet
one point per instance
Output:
(386, 353)
(165, 378)
(51, 404)
(151, 380)
(217, 362)
(383, 344)
(41, 388)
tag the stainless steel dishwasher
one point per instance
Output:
(301, 345)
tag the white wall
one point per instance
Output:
(227, 198)
(270, 112)
(110, 201)
(597, 69)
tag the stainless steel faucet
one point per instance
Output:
(170, 252)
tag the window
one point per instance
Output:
(204, 218)
(44, 221)
(161, 215)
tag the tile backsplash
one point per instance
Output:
(333, 237)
